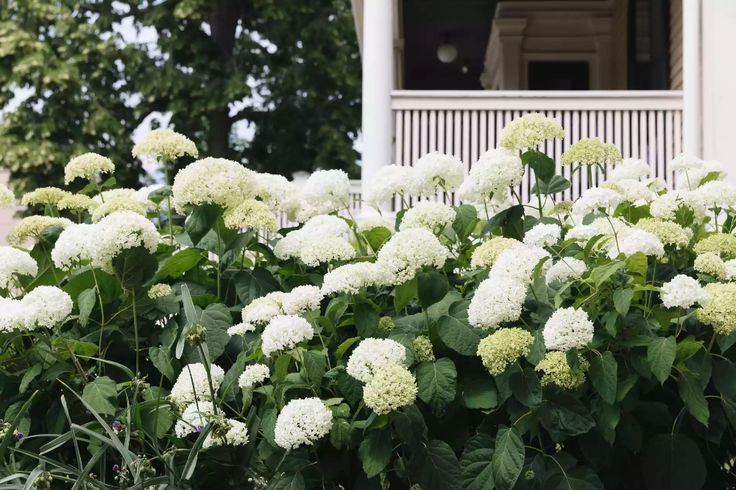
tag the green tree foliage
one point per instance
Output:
(289, 71)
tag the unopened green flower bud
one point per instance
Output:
(196, 335)
(386, 324)
(423, 349)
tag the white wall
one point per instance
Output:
(719, 81)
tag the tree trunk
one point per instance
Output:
(223, 21)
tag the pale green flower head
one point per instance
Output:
(557, 371)
(503, 348)
(31, 227)
(77, 203)
(165, 144)
(391, 388)
(251, 214)
(592, 151)
(487, 253)
(87, 166)
(44, 196)
(723, 244)
(423, 349)
(720, 309)
(529, 131)
(7, 198)
(710, 263)
(119, 204)
(668, 232)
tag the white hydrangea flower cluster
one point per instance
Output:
(13, 263)
(716, 194)
(389, 181)
(227, 432)
(193, 384)
(284, 332)
(327, 191)
(261, 310)
(253, 374)
(301, 299)
(565, 269)
(241, 328)
(351, 278)
(274, 190)
(320, 240)
(567, 329)
(194, 418)
(302, 421)
(492, 175)
(408, 251)
(120, 231)
(165, 144)
(629, 169)
(500, 297)
(436, 171)
(373, 354)
(433, 216)
(217, 181)
(594, 199)
(391, 388)
(666, 205)
(367, 221)
(519, 263)
(44, 196)
(543, 235)
(42, 307)
(683, 292)
(629, 241)
(497, 300)
(691, 171)
(87, 166)
(76, 246)
(633, 191)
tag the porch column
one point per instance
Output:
(378, 81)
(691, 78)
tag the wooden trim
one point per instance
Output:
(536, 100)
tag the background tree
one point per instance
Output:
(284, 74)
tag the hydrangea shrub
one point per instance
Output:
(173, 337)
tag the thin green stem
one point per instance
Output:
(135, 334)
(102, 318)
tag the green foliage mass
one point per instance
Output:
(290, 70)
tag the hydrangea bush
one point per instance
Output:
(175, 337)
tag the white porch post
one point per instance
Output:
(691, 78)
(378, 81)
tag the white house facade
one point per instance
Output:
(651, 76)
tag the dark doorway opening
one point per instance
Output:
(559, 75)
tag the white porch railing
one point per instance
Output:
(643, 124)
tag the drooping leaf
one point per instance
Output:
(432, 286)
(99, 395)
(438, 467)
(604, 376)
(436, 382)
(458, 336)
(86, 302)
(375, 452)
(692, 395)
(660, 356)
(508, 458)
(672, 461)
(134, 267)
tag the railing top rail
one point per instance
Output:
(536, 100)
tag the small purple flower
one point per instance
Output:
(115, 424)
(115, 468)
(19, 436)
(199, 428)
(87, 413)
